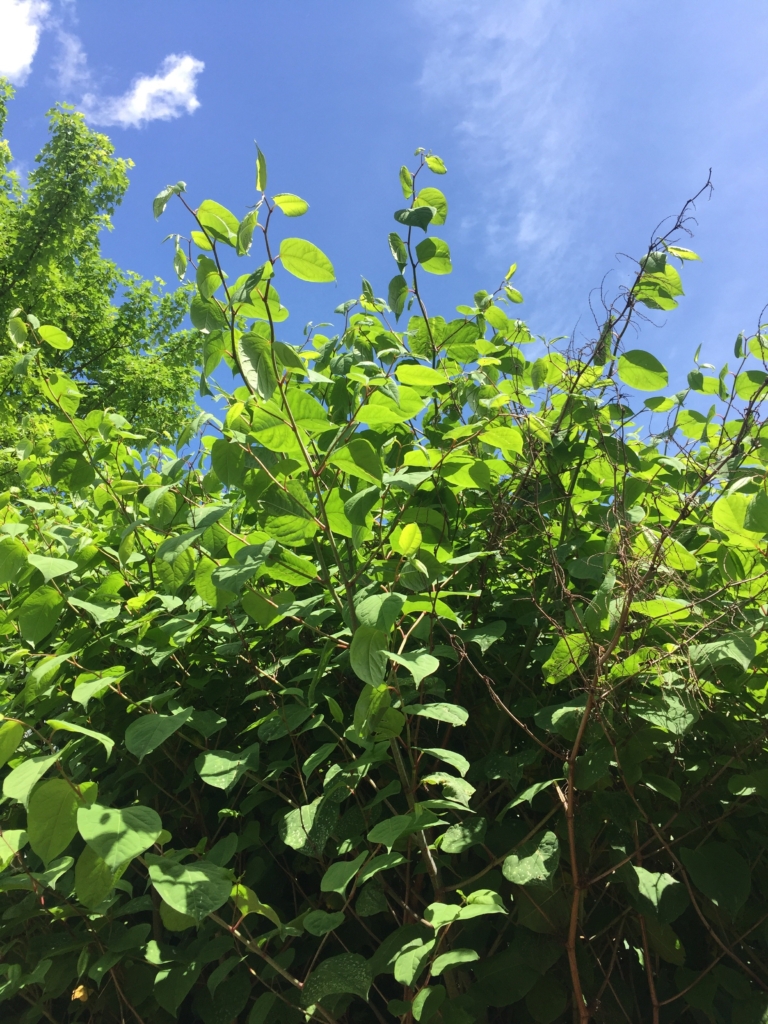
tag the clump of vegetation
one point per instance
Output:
(427, 685)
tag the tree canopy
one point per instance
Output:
(427, 684)
(131, 353)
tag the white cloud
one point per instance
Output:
(166, 95)
(71, 64)
(509, 75)
(21, 23)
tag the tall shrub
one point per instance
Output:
(427, 685)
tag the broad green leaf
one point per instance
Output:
(642, 371)
(406, 181)
(506, 438)
(20, 782)
(420, 376)
(207, 277)
(13, 558)
(55, 337)
(222, 768)
(39, 613)
(52, 818)
(456, 956)
(52, 567)
(660, 894)
(418, 217)
(721, 873)
(452, 714)
(150, 731)
(419, 663)
(290, 204)
(305, 261)
(359, 506)
(397, 295)
(406, 542)
(339, 875)
(94, 879)
(729, 514)
(433, 197)
(368, 654)
(318, 922)
(71, 471)
(11, 735)
(412, 960)
(118, 835)
(451, 757)
(535, 862)
(65, 726)
(307, 828)
(569, 654)
(358, 459)
(435, 164)
(247, 902)
(195, 889)
(160, 201)
(218, 222)
(11, 841)
(346, 973)
(463, 835)
(398, 250)
(256, 363)
(434, 256)
(245, 232)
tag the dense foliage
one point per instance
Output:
(429, 684)
(130, 352)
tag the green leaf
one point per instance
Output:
(160, 201)
(435, 164)
(261, 171)
(339, 875)
(245, 232)
(118, 835)
(452, 714)
(435, 199)
(417, 217)
(52, 567)
(434, 256)
(406, 181)
(455, 956)
(368, 654)
(420, 376)
(729, 514)
(419, 663)
(535, 862)
(659, 894)
(195, 889)
(318, 922)
(305, 261)
(256, 363)
(55, 337)
(358, 507)
(722, 874)
(462, 836)
(52, 818)
(358, 459)
(11, 735)
(642, 371)
(547, 1000)
(72, 472)
(20, 782)
(222, 768)
(290, 204)
(397, 294)
(451, 757)
(150, 731)
(398, 250)
(13, 558)
(218, 222)
(507, 438)
(207, 277)
(105, 741)
(569, 654)
(94, 879)
(346, 973)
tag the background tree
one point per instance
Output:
(430, 686)
(130, 352)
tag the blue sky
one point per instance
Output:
(569, 130)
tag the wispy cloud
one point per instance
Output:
(71, 63)
(164, 96)
(21, 22)
(505, 73)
